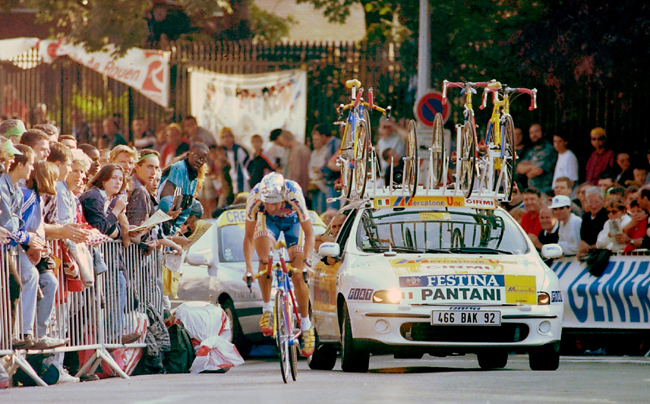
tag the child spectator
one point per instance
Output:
(631, 194)
(176, 144)
(532, 204)
(618, 219)
(260, 164)
(636, 226)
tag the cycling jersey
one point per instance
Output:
(286, 221)
(294, 203)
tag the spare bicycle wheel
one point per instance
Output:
(507, 158)
(467, 169)
(438, 151)
(282, 335)
(346, 162)
(410, 174)
(361, 159)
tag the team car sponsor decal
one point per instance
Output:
(435, 215)
(238, 216)
(360, 294)
(433, 202)
(556, 296)
(456, 265)
(469, 288)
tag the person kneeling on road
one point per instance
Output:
(276, 206)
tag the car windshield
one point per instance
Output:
(231, 239)
(463, 232)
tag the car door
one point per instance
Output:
(324, 285)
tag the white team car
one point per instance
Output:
(214, 272)
(436, 275)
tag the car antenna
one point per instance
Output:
(390, 252)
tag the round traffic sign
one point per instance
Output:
(428, 106)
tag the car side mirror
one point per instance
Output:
(204, 257)
(329, 250)
(551, 251)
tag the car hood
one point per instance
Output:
(203, 283)
(420, 277)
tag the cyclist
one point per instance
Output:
(275, 206)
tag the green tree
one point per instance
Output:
(122, 23)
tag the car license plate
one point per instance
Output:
(462, 317)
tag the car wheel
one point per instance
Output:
(494, 359)
(353, 359)
(241, 342)
(546, 357)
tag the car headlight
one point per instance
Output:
(391, 296)
(543, 298)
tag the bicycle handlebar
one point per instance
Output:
(460, 84)
(532, 93)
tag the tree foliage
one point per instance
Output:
(133, 23)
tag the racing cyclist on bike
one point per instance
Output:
(275, 206)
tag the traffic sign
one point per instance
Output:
(428, 105)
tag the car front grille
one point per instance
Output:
(426, 332)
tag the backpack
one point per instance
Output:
(181, 356)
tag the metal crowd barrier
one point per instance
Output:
(91, 319)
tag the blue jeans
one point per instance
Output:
(49, 285)
(330, 192)
(319, 202)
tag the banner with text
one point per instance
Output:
(145, 70)
(250, 104)
(617, 299)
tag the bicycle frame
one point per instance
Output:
(281, 273)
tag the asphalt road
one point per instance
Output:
(435, 380)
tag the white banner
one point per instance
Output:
(250, 104)
(617, 299)
(145, 70)
(11, 48)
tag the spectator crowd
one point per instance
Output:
(607, 211)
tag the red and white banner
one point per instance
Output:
(145, 70)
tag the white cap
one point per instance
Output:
(560, 201)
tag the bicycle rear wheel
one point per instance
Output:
(282, 334)
(361, 159)
(467, 169)
(507, 158)
(411, 162)
(438, 151)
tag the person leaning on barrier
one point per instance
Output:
(125, 157)
(593, 220)
(550, 229)
(185, 175)
(105, 186)
(643, 202)
(11, 200)
(35, 262)
(61, 156)
(570, 225)
(618, 220)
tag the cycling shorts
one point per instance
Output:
(272, 226)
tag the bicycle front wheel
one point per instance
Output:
(467, 169)
(507, 158)
(438, 151)
(411, 162)
(282, 334)
(361, 159)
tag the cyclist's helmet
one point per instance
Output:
(273, 188)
